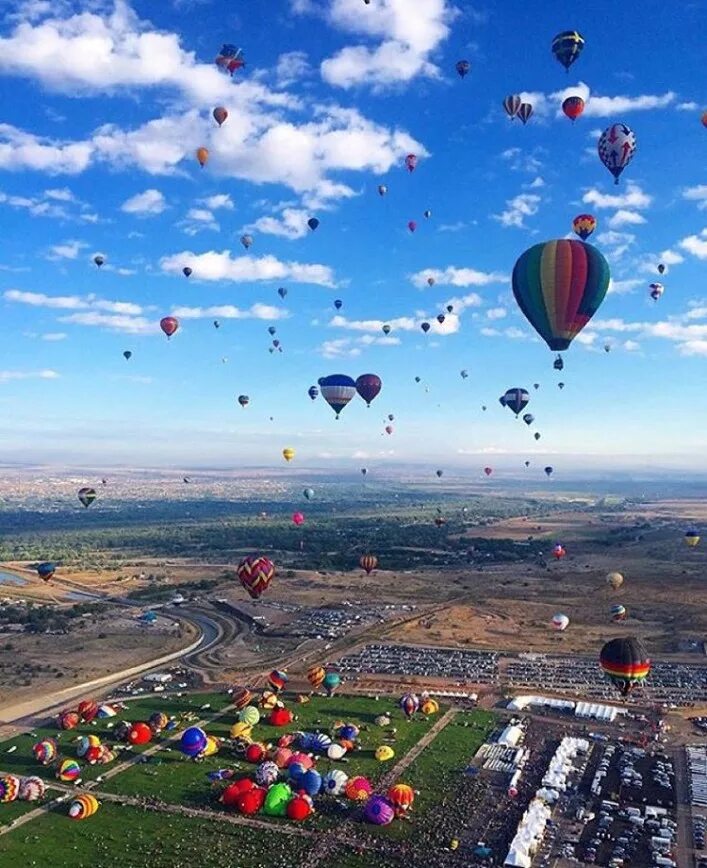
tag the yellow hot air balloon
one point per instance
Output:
(212, 746)
(241, 729)
(288, 454)
(202, 156)
(692, 538)
(615, 580)
(429, 706)
(384, 753)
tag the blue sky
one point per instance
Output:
(107, 104)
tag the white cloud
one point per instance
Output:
(517, 209)
(108, 53)
(454, 276)
(149, 203)
(54, 336)
(339, 348)
(612, 106)
(242, 269)
(633, 197)
(407, 42)
(624, 287)
(219, 200)
(292, 67)
(228, 311)
(62, 194)
(291, 224)
(697, 194)
(496, 313)
(687, 106)
(67, 250)
(624, 217)
(522, 161)
(7, 376)
(39, 299)
(619, 242)
(510, 332)
(696, 244)
(199, 220)
(134, 325)
(400, 323)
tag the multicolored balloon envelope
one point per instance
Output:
(616, 147)
(337, 391)
(256, 573)
(626, 662)
(559, 286)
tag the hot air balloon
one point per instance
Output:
(692, 538)
(525, 112)
(558, 364)
(99, 259)
(255, 573)
(386, 329)
(573, 107)
(298, 518)
(313, 392)
(220, 114)
(368, 563)
(364, 471)
(515, 399)
(282, 292)
(558, 552)
(548, 471)
(45, 751)
(567, 46)
(87, 496)
(277, 680)
(411, 162)
(616, 146)
(338, 303)
(202, 156)
(308, 493)
(440, 318)
(382, 189)
(464, 374)
(127, 355)
(83, 806)
(401, 797)
(193, 741)
(626, 662)
(247, 241)
(560, 622)
(528, 418)
(368, 387)
(559, 286)
(337, 390)
(607, 348)
(425, 327)
(583, 225)
(288, 453)
(186, 271)
(527, 463)
(439, 473)
(331, 681)
(412, 226)
(488, 471)
(313, 223)
(537, 435)
(618, 612)
(358, 789)
(409, 704)
(704, 119)
(427, 214)
(315, 676)
(657, 290)
(243, 400)
(46, 570)
(169, 325)
(241, 697)
(230, 58)
(272, 330)
(430, 281)
(463, 67)
(512, 104)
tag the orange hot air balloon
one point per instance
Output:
(220, 114)
(368, 563)
(202, 156)
(573, 107)
(169, 325)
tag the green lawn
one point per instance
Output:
(175, 779)
(22, 762)
(125, 837)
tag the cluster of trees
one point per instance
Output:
(49, 619)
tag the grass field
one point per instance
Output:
(130, 836)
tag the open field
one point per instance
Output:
(158, 827)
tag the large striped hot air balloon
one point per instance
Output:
(559, 286)
(277, 680)
(337, 391)
(315, 676)
(409, 704)
(368, 563)
(626, 662)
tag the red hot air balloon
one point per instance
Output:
(220, 114)
(368, 387)
(368, 563)
(558, 552)
(298, 518)
(169, 325)
(255, 574)
(411, 162)
(573, 107)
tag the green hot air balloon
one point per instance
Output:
(559, 286)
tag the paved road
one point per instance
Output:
(684, 854)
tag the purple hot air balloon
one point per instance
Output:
(368, 386)
(378, 811)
